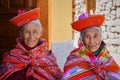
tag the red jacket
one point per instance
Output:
(34, 64)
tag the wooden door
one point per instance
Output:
(8, 9)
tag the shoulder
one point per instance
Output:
(49, 52)
(51, 55)
(12, 52)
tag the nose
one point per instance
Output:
(30, 35)
(91, 40)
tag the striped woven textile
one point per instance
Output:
(81, 64)
(35, 64)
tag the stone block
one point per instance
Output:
(112, 17)
(113, 7)
(118, 12)
(115, 29)
(109, 4)
(106, 12)
(103, 28)
(115, 41)
(112, 48)
(107, 41)
(112, 41)
(116, 22)
(113, 12)
(110, 35)
(108, 22)
(117, 35)
(106, 1)
(104, 35)
(117, 2)
(114, 2)
(118, 50)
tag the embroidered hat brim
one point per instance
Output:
(25, 17)
(95, 20)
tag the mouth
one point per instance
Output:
(93, 46)
(31, 41)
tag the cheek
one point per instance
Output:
(86, 42)
(98, 40)
(25, 37)
(37, 36)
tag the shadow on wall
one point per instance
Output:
(61, 51)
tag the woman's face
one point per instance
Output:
(31, 34)
(91, 39)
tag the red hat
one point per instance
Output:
(24, 17)
(86, 21)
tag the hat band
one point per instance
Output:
(23, 22)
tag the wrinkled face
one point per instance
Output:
(31, 34)
(91, 39)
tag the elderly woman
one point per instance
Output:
(30, 59)
(91, 61)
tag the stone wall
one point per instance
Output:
(111, 26)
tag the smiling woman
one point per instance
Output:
(31, 32)
(30, 59)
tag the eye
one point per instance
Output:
(95, 36)
(34, 31)
(87, 36)
(26, 31)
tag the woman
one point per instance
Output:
(91, 61)
(30, 59)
